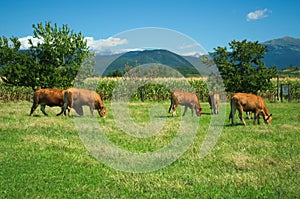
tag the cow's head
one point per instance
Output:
(102, 111)
(268, 119)
(199, 111)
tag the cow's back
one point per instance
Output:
(50, 97)
(248, 101)
(185, 98)
(82, 96)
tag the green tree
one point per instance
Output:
(242, 68)
(53, 62)
(115, 73)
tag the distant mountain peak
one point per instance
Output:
(286, 40)
(283, 52)
(158, 56)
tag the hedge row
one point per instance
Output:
(145, 89)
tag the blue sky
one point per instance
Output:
(209, 23)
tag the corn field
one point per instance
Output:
(11, 93)
(155, 89)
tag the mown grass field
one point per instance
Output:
(44, 157)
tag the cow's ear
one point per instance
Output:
(270, 115)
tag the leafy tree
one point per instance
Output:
(54, 62)
(242, 69)
(115, 73)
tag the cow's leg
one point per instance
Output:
(174, 110)
(185, 109)
(62, 111)
(68, 102)
(92, 109)
(43, 109)
(217, 109)
(256, 117)
(69, 110)
(214, 110)
(241, 116)
(34, 106)
(78, 109)
(192, 109)
(171, 105)
(249, 115)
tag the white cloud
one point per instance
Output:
(258, 14)
(25, 43)
(105, 45)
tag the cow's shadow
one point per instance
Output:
(170, 116)
(206, 113)
(236, 124)
(37, 115)
(164, 116)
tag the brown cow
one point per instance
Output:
(76, 98)
(249, 102)
(50, 97)
(214, 101)
(186, 99)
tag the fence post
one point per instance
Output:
(285, 89)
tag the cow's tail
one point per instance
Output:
(35, 98)
(232, 110)
(172, 103)
(67, 101)
(35, 103)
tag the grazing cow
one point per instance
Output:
(76, 98)
(249, 102)
(214, 101)
(50, 97)
(186, 99)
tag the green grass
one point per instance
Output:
(44, 157)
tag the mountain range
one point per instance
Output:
(283, 52)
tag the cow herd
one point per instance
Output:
(75, 98)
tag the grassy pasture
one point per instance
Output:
(44, 157)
